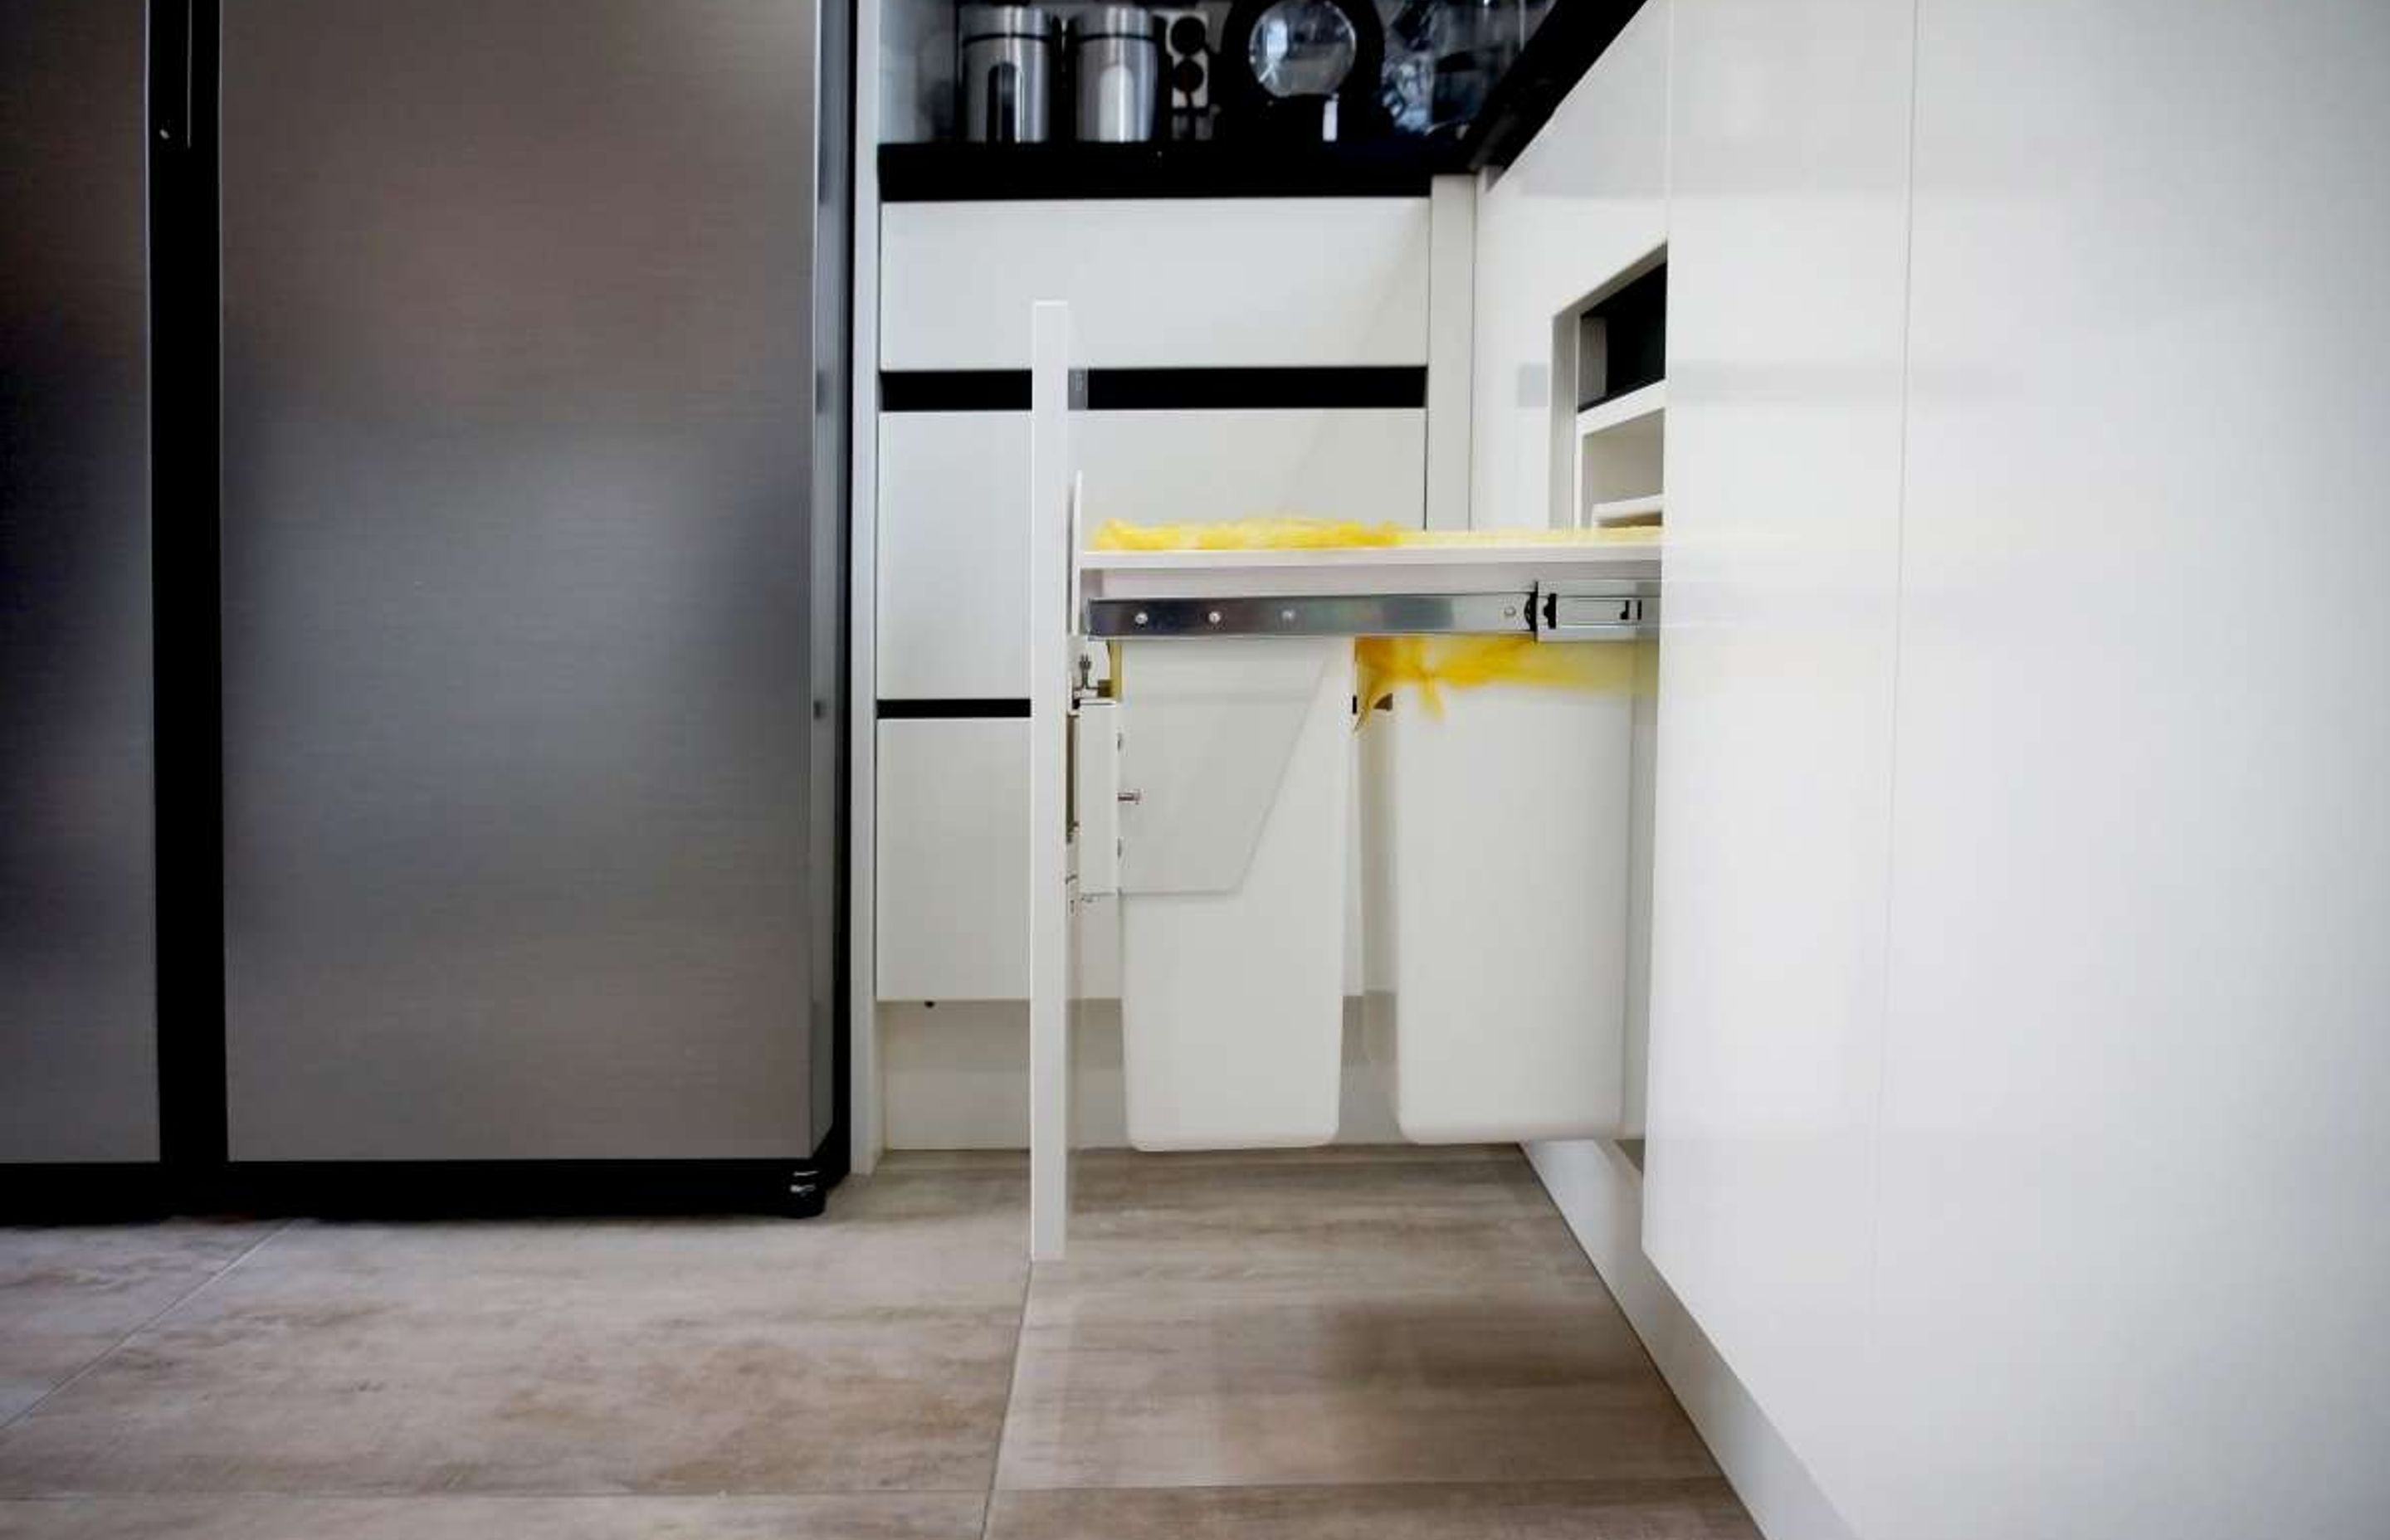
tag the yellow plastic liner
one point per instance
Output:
(1290, 534)
(1432, 664)
(1245, 534)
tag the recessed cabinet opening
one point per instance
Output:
(1609, 402)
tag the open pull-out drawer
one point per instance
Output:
(1495, 857)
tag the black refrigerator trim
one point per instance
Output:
(796, 1187)
(185, 390)
(195, 1172)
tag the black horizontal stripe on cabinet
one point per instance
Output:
(1254, 390)
(953, 390)
(1289, 388)
(948, 171)
(951, 710)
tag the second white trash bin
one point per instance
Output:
(1495, 848)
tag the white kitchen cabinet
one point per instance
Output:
(1158, 283)
(2134, 1165)
(1326, 283)
(953, 571)
(1787, 250)
(1581, 209)
(1165, 467)
(2015, 1126)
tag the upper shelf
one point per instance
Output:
(1650, 401)
(1557, 54)
(1556, 57)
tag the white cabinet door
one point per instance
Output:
(954, 859)
(953, 610)
(1167, 283)
(2136, 1163)
(1787, 245)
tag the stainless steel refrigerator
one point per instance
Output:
(79, 1083)
(533, 504)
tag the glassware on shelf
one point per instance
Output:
(1444, 57)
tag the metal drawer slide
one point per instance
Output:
(1610, 609)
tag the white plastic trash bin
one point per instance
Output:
(1495, 850)
(1236, 786)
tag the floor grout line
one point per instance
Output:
(110, 1350)
(1004, 1423)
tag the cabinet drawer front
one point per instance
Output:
(953, 576)
(954, 539)
(1164, 283)
(1167, 468)
(953, 859)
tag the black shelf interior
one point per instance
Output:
(1573, 35)
(1559, 52)
(949, 171)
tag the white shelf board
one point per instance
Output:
(1627, 510)
(1650, 401)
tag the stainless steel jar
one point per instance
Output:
(1008, 62)
(1118, 60)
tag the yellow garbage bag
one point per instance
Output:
(1245, 534)
(1432, 664)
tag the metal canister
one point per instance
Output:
(1008, 63)
(1117, 57)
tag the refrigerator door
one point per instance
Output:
(524, 583)
(78, 867)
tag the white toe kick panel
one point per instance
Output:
(1235, 776)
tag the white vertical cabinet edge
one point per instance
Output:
(1048, 905)
(1451, 329)
(865, 1133)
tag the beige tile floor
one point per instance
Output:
(1396, 1346)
